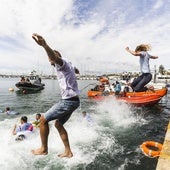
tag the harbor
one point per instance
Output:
(84, 85)
(114, 137)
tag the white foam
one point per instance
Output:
(87, 141)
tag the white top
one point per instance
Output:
(67, 80)
(144, 62)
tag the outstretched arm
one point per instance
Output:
(52, 55)
(154, 57)
(132, 52)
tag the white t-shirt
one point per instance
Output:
(67, 80)
(144, 62)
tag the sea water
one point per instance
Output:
(111, 142)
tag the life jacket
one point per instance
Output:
(30, 128)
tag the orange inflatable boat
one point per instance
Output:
(134, 100)
(160, 92)
(141, 100)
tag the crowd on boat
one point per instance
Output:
(106, 87)
(125, 93)
(32, 83)
(27, 80)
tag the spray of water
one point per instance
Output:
(87, 140)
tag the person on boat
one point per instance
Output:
(62, 110)
(112, 87)
(139, 83)
(36, 123)
(117, 88)
(24, 126)
(37, 80)
(22, 79)
(96, 88)
(127, 87)
(104, 80)
(28, 80)
(107, 89)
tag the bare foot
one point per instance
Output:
(68, 155)
(39, 151)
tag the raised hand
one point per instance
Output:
(127, 48)
(39, 39)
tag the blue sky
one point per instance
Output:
(92, 34)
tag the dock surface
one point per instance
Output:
(164, 158)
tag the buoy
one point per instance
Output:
(149, 152)
(11, 89)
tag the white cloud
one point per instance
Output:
(158, 4)
(93, 35)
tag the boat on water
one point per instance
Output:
(133, 100)
(160, 92)
(141, 100)
(32, 83)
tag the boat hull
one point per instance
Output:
(29, 86)
(160, 92)
(141, 100)
(133, 100)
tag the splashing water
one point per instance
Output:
(111, 142)
(87, 141)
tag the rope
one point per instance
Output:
(87, 86)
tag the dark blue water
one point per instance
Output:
(112, 142)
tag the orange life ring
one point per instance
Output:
(151, 153)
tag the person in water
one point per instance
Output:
(87, 117)
(61, 111)
(24, 126)
(8, 111)
(36, 123)
(142, 51)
